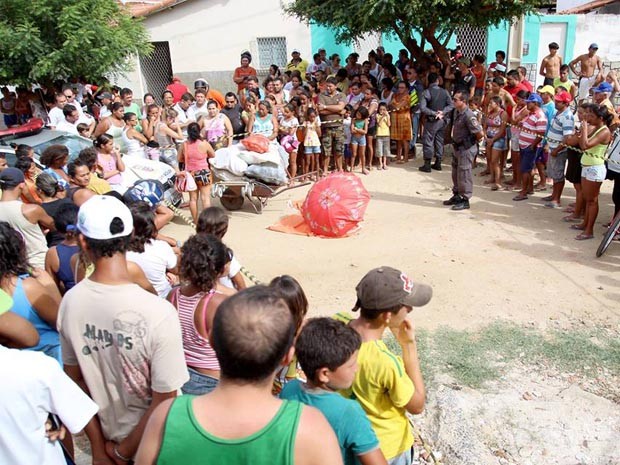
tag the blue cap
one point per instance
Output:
(594, 45)
(535, 98)
(603, 87)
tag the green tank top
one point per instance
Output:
(186, 442)
(594, 155)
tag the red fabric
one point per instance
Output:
(335, 205)
(256, 143)
(177, 89)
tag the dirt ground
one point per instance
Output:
(501, 259)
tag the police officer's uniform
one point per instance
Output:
(464, 131)
(434, 99)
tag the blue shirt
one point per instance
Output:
(563, 124)
(345, 416)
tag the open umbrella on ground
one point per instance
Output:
(335, 205)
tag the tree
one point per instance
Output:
(45, 40)
(434, 20)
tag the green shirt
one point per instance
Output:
(186, 442)
(135, 109)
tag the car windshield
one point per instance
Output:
(74, 143)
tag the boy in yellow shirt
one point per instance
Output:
(386, 385)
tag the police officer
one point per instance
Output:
(466, 132)
(436, 106)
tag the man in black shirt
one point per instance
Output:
(233, 111)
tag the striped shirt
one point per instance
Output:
(534, 125)
(198, 350)
(562, 125)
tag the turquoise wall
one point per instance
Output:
(532, 35)
(324, 37)
(497, 39)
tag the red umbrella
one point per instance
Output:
(335, 205)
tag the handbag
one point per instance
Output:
(185, 182)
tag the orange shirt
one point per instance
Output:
(242, 72)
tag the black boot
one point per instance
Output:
(456, 198)
(426, 168)
(462, 205)
(437, 165)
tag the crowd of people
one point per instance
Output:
(135, 318)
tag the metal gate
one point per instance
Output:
(473, 41)
(366, 43)
(156, 70)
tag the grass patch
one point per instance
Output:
(474, 358)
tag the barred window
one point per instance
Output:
(271, 50)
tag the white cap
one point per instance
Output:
(96, 215)
(295, 50)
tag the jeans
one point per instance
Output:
(415, 126)
(199, 383)
(403, 459)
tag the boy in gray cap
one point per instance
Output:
(386, 385)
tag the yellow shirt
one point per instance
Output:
(383, 388)
(98, 185)
(383, 130)
(301, 67)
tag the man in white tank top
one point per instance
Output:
(28, 219)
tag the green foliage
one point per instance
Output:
(434, 20)
(44, 40)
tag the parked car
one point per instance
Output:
(135, 168)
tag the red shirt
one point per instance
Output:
(242, 72)
(178, 89)
(528, 85)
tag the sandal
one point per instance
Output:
(571, 219)
(584, 237)
(495, 187)
(547, 199)
(518, 198)
(577, 227)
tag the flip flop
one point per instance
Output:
(571, 219)
(577, 227)
(584, 237)
(518, 198)
(547, 199)
(495, 187)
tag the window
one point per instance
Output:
(271, 50)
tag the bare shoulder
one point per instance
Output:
(316, 442)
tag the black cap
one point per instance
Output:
(11, 177)
(385, 287)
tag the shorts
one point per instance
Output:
(202, 177)
(10, 120)
(479, 91)
(383, 146)
(372, 131)
(585, 84)
(548, 81)
(347, 151)
(404, 458)
(309, 150)
(199, 383)
(573, 167)
(500, 144)
(556, 166)
(358, 139)
(336, 135)
(528, 160)
(594, 173)
(542, 156)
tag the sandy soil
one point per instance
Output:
(501, 259)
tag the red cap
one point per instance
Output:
(563, 97)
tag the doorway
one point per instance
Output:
(549, 32)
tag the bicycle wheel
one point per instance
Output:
(613, 229)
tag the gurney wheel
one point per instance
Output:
(231, 200)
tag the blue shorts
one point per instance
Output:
(500, 144)
(358, 139)
(528, 160)
(312, 149)
(199, 383)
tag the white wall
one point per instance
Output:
(601, 29)
(209, 35)
(566, 4)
